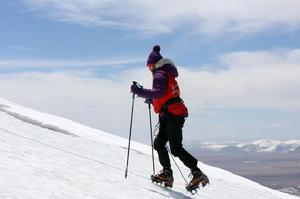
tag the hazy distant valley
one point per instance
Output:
(271, 163)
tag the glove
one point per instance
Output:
(135, 89)
(148, 101)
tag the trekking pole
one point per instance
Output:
(149, 107)
(177, 165)
(130, 128)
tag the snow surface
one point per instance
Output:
(45, 156)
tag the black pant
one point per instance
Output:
(171, 130)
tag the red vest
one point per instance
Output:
(172, 91)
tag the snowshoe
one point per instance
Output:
(198, 178)
(165, 177)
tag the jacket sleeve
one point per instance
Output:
(159, 87)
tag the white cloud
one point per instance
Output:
(156, 17)
(259, 80)
(266, 80)
(80, 96)
(22, 48)
(66, 63)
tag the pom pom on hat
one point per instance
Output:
(154, 56)
(156, 48)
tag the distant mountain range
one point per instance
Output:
(262, 145)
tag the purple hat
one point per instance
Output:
(154, 56)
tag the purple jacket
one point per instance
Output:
(160, 79)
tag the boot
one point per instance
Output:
(164, 177)
(198, 177)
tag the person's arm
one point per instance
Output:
(159, 87)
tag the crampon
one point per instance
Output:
(200, 179)
(165, 183)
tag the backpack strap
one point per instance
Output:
(164, 108)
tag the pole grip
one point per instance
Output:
(137, 84)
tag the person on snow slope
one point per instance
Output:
(165, 98)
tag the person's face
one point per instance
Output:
(151, 67)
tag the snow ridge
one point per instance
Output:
(58, 124)
(4, 108)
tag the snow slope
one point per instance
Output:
(44, 156)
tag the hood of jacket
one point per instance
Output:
(167, 66)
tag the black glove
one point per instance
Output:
(135, 89)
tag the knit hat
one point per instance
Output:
(154, 56)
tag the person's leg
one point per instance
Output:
(160, 145)
(166, 175)
(174, 133)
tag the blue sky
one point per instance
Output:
(238, 62)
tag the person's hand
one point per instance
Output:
(136, 89)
